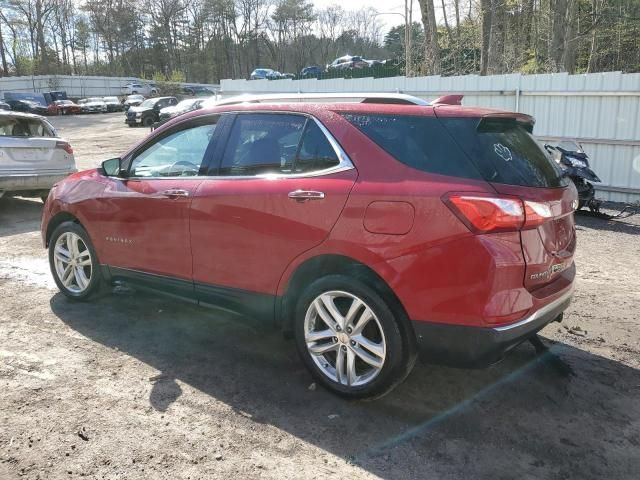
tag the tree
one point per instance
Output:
(431, 47)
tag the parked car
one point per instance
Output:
(262, 74)
(141, 88)
(132, 101)
(113, 104)
(347, 62)
(4, 106)
(32, 155)
(30, 106)
(148, 112)
(197, 91)
(184, 106)
(311, 72)
(66, 107)
(93, 105)
(290, 76)
(369, 230)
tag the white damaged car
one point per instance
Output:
(32, 155)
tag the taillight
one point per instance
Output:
(65, 146)
(488, 213)
(536, 213)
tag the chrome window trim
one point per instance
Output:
(344, 164)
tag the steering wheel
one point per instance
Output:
(187, 168)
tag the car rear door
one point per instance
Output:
(145, 216)
(277, 190)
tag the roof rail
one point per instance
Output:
(356, 97)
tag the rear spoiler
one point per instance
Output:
(448, 100)
(526, 121)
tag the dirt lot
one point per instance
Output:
(137, 387)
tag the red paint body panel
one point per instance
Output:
(246, 231)
(247, 234)
(142, 229)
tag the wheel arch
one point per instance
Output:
(58, 219)
(331, 264)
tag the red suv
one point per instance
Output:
(368, 228)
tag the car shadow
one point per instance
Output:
(19, 215)
(629, 225)
(566, 413)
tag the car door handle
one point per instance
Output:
(302, 195)
(175, 193)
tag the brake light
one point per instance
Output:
(65, 146)
(488, 213)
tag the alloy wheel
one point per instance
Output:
(72, 261)
(344, 338)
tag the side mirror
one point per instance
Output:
(111, 167)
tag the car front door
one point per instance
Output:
(145, 216)
(276, 192)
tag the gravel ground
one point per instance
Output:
(140, 387)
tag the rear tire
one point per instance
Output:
(73, 261)
(353, 359)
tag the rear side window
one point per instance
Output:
(262, 143)
(419, 142)
(315, 152)
(505, 152)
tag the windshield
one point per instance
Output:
(149, 103)
(186, 103)
(24, 127)
(570, 146)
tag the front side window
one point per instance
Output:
(262, 144)
(178, 154)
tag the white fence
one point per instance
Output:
(75, 86)
(600, 110)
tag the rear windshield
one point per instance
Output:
(505, 152)
(419, 142)
(24, 127)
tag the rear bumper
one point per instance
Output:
(466, 346)
(34, 181)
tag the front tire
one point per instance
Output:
(147, 121)
(74, 262)
(350, 339)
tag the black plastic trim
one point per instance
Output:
(477, 347)
(244, 302)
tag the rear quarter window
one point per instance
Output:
(418, 142)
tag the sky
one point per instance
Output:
(380, 5)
